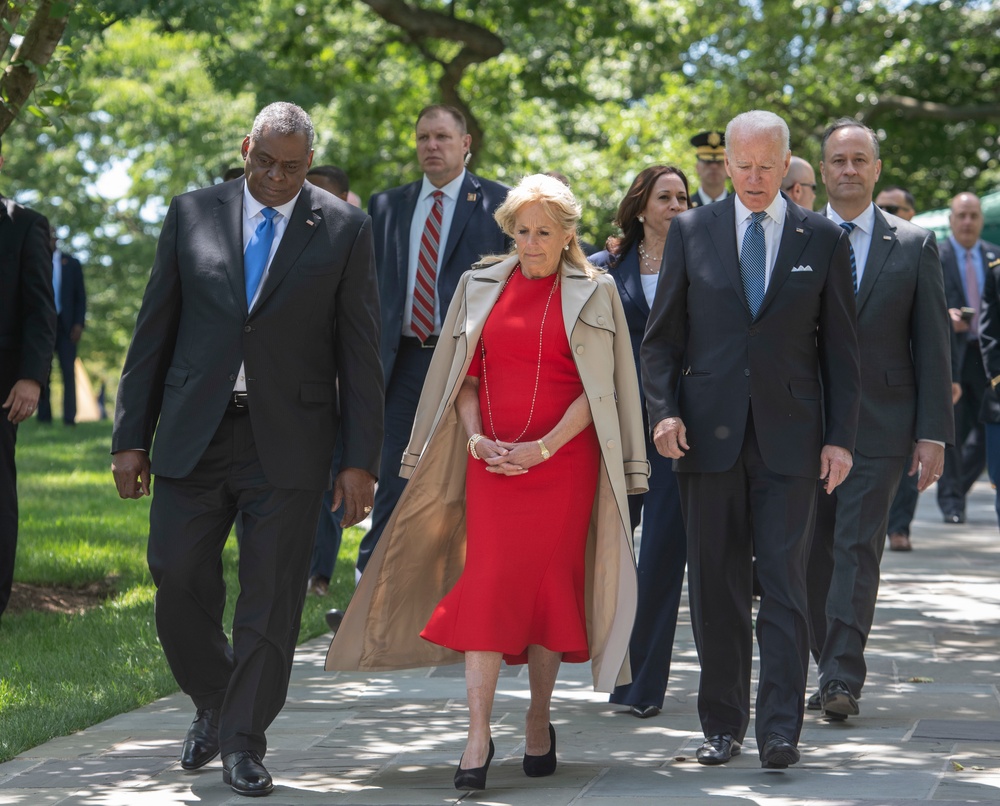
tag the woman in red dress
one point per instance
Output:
(510, 541)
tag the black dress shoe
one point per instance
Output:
(473, 779)
(815, 702)
(245, 774)
(201, 744)
(643, 711)
(838, 702)
(540, 766)
(778, 753)
(954, 517)
(718, 749)
(333, 619)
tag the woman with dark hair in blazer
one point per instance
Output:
(657, 195)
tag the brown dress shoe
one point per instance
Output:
(899, 542)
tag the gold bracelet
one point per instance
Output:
(473, 440)
(543, 449)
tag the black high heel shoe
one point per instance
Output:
(473, 779)
(540, 766)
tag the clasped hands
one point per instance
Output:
(508, 458)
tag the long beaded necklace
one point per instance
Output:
(651, 262)
(538, 369)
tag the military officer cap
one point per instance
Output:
(710, 146)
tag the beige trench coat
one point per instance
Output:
(421, 553)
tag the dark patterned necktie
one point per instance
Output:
(753, 262)
(849, 227)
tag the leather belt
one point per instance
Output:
(413, 341)
(239, 403)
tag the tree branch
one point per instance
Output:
(10, 16)
(929, 110)
(32, 55)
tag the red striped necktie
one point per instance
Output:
(422, 319)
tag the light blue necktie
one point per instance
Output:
(255, 258)
(753, 262)
(849, 227)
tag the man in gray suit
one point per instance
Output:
(905, 345)
(263, 292)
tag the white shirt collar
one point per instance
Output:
(864, 222)
(253, 207)
(450, 190)
(775, 210)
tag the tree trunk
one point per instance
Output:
(31, 57)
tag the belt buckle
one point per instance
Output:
(240, 400)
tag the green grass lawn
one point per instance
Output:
(62, 673)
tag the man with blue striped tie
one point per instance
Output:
(750, 368)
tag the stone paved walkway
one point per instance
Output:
(929, 728)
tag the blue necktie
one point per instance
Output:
(849, 226)
(255, 258)
(753, 262)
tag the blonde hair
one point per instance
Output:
(559, 204)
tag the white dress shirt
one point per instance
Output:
(706, 199)
(861, 235)
(773, 223)
(425, 202)
(252, 217)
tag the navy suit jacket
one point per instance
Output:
(473, 233)
(707, 360)
(309, 343)
(72, 295)
(626, 275)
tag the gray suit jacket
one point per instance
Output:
(316, 321)
(904, 333)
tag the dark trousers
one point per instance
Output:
(66, 353)
(326, 545)
(189, 522)
(993, 460)
(730, 516)
(662, 557)
(8, 485)
(843, 573)
(964, 461)
(401, 397)
(904, 505)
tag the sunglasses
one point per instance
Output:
(893, 209)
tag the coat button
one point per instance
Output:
(600, 320)
(247, 328)
(579, 349)
(232, 376)
(746, 372)
(754, 331)
(611, 444)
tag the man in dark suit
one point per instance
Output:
(750, 368)
(27, 333)
(904, 333)
(460, 205)
(262, 294)
(965, 258)
(989, 341)
(71, 310)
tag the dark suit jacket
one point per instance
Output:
(905, 335)
(73, 295)
(473, 233)
(626, 275)
(796, 363)
(989, 330)
(27, 306)
(316, 319)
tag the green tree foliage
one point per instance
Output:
(162, 92)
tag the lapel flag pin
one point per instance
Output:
(310, 222)
(886, 238)
(799, 230)
(470, 197)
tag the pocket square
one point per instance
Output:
(802, 268)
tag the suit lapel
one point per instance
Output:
(229, 228)
(302, 225)
(794, 237)
(722, 230)
(577, 289)
(404, 220)
(882, 242)
(470, 197)
(632, 282)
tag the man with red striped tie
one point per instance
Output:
(427, 233)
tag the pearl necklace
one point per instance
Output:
(538, 369)
(651, 262)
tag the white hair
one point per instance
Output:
(757, 123)
(283, 118)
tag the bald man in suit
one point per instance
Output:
(262, 294)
